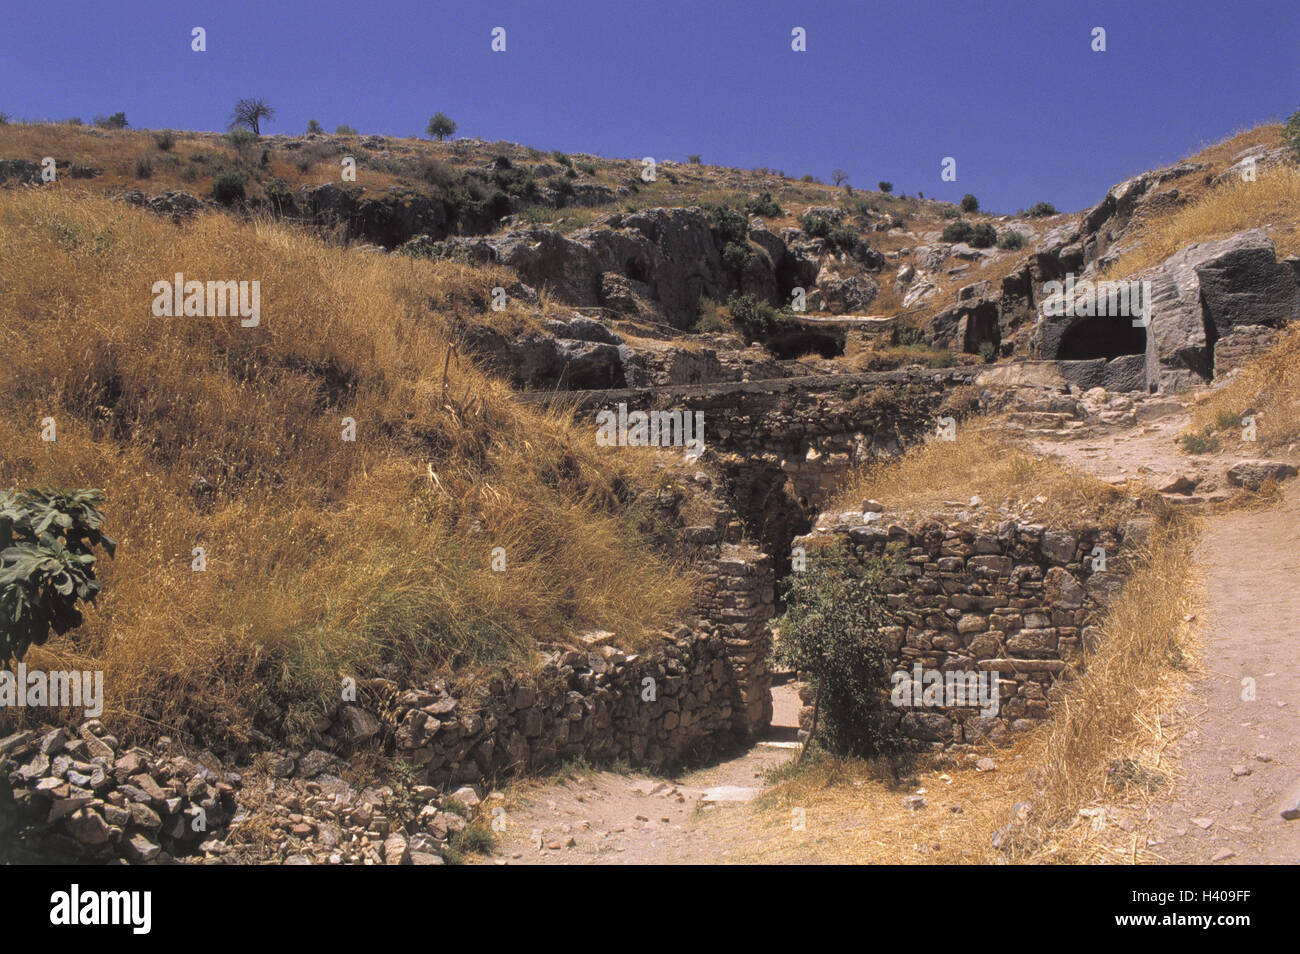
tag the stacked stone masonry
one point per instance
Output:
(971, 595)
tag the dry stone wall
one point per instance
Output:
(981, 595)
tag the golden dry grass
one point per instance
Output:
(983, 462)
(324, 557)
(1269, 389)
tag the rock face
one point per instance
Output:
(669, 257)
(983, 595)
(1211, 291)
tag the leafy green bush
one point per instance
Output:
(885, 187)
(143, 168)
(345, 130)
(588, 168)
(229, 187)
(729, 225)
(1291, 133)
(735, 256)
(949, 212)
(959, 231)
(831, 630)
(165, 140)
(47, 563)
(314, 127)
(1199, 443)
(1010, 239)
(843, 237)
(814, 225)
(755, 317)
(1040, 209)
(983, 235)
(278, 194)
(763, 205)
(969, 203)
(988, 351)
(240, 137)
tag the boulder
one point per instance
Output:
(1252, 474)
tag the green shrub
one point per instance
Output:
(1040, 209)
(562, 159)
(314, 127)
(240, 137)
(969, 203)
(588, 168)
(831, 631)
(949, 212)
(959, 231)
(345, 130)
(942, 359)
(843, 237)
(1199, 443)
(988, 351)
(1010, 240)
(693, 159)
(755, 317)
(735, 256)
(1291, 133)
(229, 186)
(885, 187)
(983, 235)
(165, 140)
(143, 168)
(763, 205)
(814, 225)
(4, 118)
(47, 563)
(728, 224)
(278, 194)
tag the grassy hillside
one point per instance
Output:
(325, 558)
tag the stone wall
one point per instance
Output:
(979, 593)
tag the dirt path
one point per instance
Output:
(1241, 754)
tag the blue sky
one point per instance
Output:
(885, 90)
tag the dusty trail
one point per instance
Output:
(1241, 754)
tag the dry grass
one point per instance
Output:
(983, 462)
(324, 558)
(1269, 389)
(1272, 202)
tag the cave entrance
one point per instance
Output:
(1101, 337)
(805, 341)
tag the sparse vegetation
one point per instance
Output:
(313, 127)
(1010, 240)
(1041, 209)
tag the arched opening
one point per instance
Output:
(1101, 337)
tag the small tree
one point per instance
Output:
(116, 121)
(314, 127)
(839, 176)
(249, 113)
(969, 203)
(831, 630)
(885, 187)
(47, 563)
(1291, 133)
(693, 159)
(440, 127)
